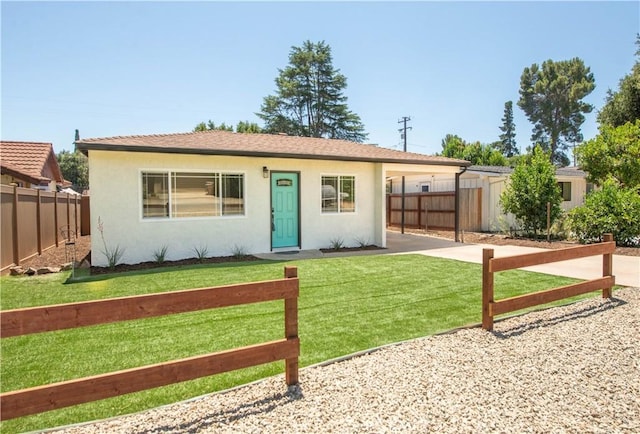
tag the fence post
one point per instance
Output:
(16, 235)
(55, 217)
(39, 222)
(487, 289)
(291, 327)
(607, 266)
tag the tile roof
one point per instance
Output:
(35, 161)
(262, 145)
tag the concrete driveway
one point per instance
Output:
(625, 268)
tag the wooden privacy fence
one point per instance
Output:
(32, 221)
(490, 265)
(65, 316)
(436, 210)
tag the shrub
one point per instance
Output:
(113, 254)
(201, 252)
(613, 210)
(160, 255)
(336, 243)
(530, 187)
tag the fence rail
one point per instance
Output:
(490, 265)
(31, 222)
(436, 210)
(63, 394)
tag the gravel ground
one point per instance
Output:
(573, 369)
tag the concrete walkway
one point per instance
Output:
(625, 268)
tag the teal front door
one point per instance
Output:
(285, 210)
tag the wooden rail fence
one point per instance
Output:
(490, 265)
(64, 316)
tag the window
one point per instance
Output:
(191, 194)
(155, 195)
(338, 194)
(565, 190)
(424, 188)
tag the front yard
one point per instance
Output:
(346, 305)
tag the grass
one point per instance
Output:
(346, 305)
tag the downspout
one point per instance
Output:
(457, 215)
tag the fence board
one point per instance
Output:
(63, 316)
(39, 399)
(538, 258)
(549, 295)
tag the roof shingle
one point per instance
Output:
(261, 145)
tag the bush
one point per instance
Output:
(531, 186)
(613, 210)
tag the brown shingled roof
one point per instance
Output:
(261, 145)
(34, 161)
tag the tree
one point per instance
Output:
(613, 153)
(530, 188)
(248, 127)
(210, 125)
(477, 153)
(551, 97)
(623, 105)
(507, 144)
(75, 168)
(309, 99)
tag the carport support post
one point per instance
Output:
(402, 207)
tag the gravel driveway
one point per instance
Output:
(574, 369)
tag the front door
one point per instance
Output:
(285, 210)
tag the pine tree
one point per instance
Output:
(309, 99)
(507, 144)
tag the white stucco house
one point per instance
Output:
(229, 192)
(492, 180)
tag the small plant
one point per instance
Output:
(362, 241)
(160, 255)
(336, 243)
(238, 251)
(201, 252)
(113, 254)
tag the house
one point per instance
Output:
(30, 165)
(492, 182)
(229, 192)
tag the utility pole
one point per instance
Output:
(403, 135)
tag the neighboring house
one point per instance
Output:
(492, 180)
(251, 193)
(30, 165)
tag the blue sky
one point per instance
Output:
(125, 68)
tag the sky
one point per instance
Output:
(129, 68)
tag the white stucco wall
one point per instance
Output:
(116, 198)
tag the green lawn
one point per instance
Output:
(346, 305)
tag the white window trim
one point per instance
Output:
(169, 173)
(339, 212)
